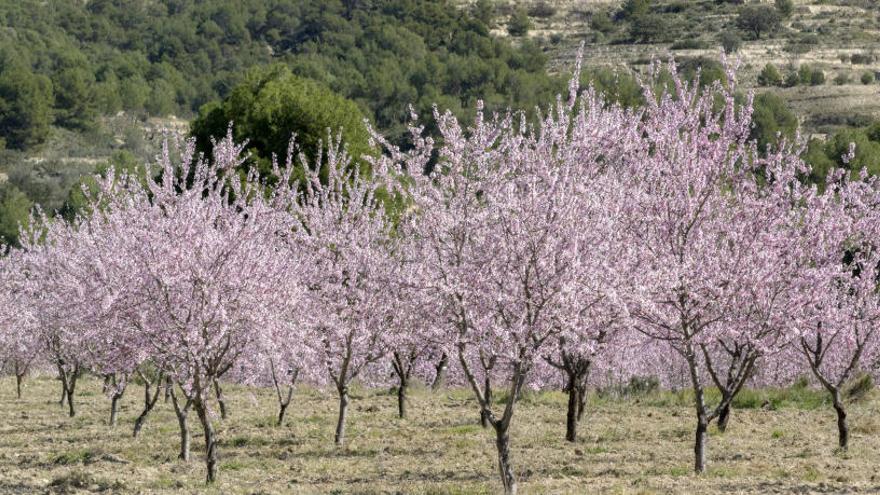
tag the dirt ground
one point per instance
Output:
(637, 446)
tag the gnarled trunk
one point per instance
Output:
(210, 440)
(18, 380)
(114, 407)
(71, 388)
(401, 366)
(700, 445)
(343, 410)
(149, 403)
(842, 428)
(283, 401)
(723, 418)
(582, 402)
(221, 400)
(484, 417)
(181, 412)
(571, 418)
(440, 372)
(401, 399)
(502, 443)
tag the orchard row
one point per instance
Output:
(597, 242)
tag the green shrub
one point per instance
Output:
(771, 118)
(519, 23)
(601, 21)
(542, 9)
(859, 387)
(730, 42)
(649, 28)
(867, 78)
(862, 58)
(632, 9)
(805, 74)
(769, 76)
(785, 7)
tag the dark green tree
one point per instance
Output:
(519, 23)
(75, 103)
(785, 7)
(771, 120)
(730, 42)
(270, 106)
(634, 8)
(484, 11)
(601, 21)
(769, 76)
(25, 107)
(15, 207)
(649, 28)
(758, 19)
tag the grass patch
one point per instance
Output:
(464, 429)
(77, 480)
(80, 456)
(626, 446)
(232, 465)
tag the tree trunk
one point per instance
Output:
(71, 388)
(149, 404)
(401, 399)
(282, 408)
(114, 408)
(700, 446)
(283, 401)
(220, 399)
(723, 418)
(210, 440)
(62, 377)
(182, 413)
(572, 417)
(582, 402)
(184, 436)
(842, 428)
(18, 379)
(502, 442)
(340, 423)
(484, 416)
(440, 372)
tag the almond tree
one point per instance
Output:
(711, 239)
(576, 354)
(48, 250)
(19, 343)
(340, 240)
(839, 334)
(206, 268)
(415, 335)
(505, 219)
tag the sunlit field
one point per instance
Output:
(778, 441)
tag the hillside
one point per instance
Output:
(840, 38)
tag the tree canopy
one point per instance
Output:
(270, 105)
